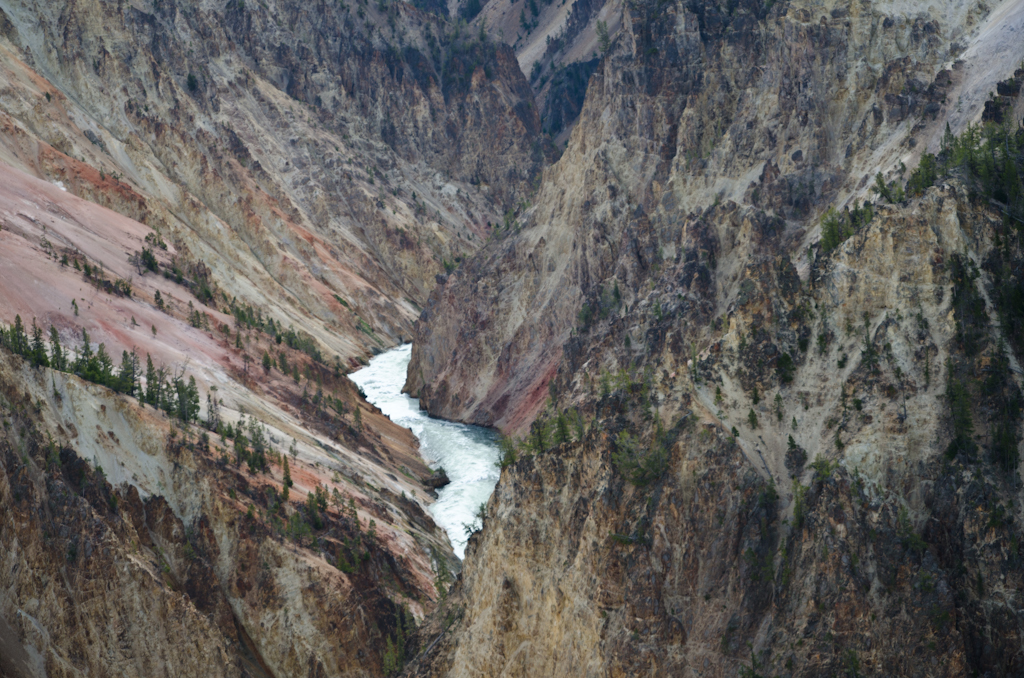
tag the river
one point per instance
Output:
(467, 453)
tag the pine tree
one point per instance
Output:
(127, 374)
(602, 36)
(257, 456)
(212, 410)
(538, 437)
(562, 428)
(57, 358)
(38, 348)
(241, 447)
(18, 340)
(191, 406)
(85, 362)
(152, 383)
(104, 367)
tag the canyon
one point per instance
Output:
(739, 283)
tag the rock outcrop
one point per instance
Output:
(304, 155)
(135, 548)
(693, 106)
(746, 444)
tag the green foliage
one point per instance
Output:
(823, 468)
(316, 506)
(752, 418)
(892, 192)
(785, 367)
(768, 497)
(960, 410)
(538, 439)
(831, 230)
(257, 457)
(638, 464)
(990, 159)
(603, 41)
(905, 530)
(477, 523)
(799, 504)
(968, 305)
(297, 529)
(395, 645)
(509, 456)
(837, 227)
(562, 434)
(923, 176)
(37, 349)
(147, 260)
(95, 366)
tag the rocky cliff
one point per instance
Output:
(755, 436)
(748, 433)
(766, 106)
(133, 548)
(255, 197)
(303, 154)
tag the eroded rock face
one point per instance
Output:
(689, 108)
(306, 156)
(738, 450)
(879, 557)
(135, 547)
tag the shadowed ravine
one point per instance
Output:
(467, 453)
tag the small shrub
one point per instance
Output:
(823, 468)
(639, 466)
(785, 368)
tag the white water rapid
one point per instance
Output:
(467, 453)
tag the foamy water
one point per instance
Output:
(467, 453)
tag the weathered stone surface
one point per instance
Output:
(667, 291)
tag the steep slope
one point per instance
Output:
(257, 198)
(126, 506)
(686, 497)
(692, 106)
(132, 548)
(556, 43)
(299, 153)
(750, 445)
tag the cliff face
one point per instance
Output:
(772, 108)
(829, 529)
(298, 175)
(302, 153)
(748, 444)
(133, 548)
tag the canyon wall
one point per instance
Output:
(257, 197)
(741, 443)
(304, 154)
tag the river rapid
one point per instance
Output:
(467, 453)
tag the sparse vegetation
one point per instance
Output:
(639, 464)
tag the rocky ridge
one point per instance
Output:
(232, 192)
(301, 156)
(744, 448)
